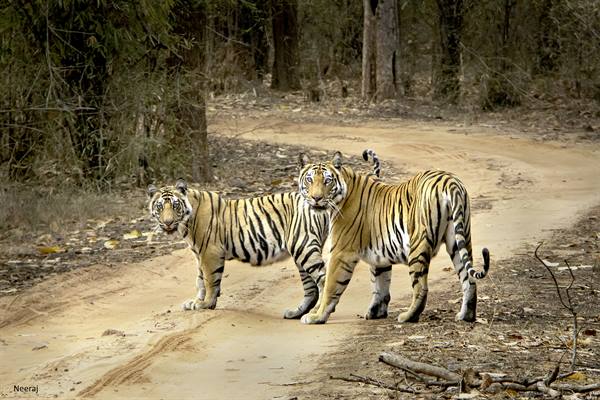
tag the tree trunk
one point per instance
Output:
(380, 49)
(387, 48)
(192, 112)
(285, 40)
(548, 46)
(253, 21)
(447, 82)
(190, 107)
(368, 50)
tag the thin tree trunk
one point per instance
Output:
(548, 46)
(447, 82)
(387, 49)
(195, 113)
(190, 107)
(285, 40)
(368, 50)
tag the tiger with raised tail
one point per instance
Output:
(385, 224)
(258, 230)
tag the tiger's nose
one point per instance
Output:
(317, 198)
(168, 222)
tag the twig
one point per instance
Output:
(567, 305)
(375, 382)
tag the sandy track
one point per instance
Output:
(244, 349)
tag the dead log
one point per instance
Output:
(403, 363)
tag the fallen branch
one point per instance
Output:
(416, 367)
(542, 384)
(577, 388)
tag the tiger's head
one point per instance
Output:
(322, 184)
(169, 206)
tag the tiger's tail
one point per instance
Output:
(368, 153)
(459, 211)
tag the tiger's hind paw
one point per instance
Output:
(408, 317)
(295, 313)
(197, 304)
(313, 318)
(377, 312)
(466, 317)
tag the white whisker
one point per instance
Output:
(334, 207)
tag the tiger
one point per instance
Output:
(257, 230)
(384, 224)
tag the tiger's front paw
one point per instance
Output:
(197, 304)
(313, 318)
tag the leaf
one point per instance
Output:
(51, 249)
(577, 376)
(116, 332)
(134, 234)
(111, 244)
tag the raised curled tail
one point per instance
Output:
(368, 153)
(460, 218)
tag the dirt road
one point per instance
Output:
(57, 335)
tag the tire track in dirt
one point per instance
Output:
(132, 371)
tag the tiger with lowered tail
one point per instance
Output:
(385, 224)
(258, 230)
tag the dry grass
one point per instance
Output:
(27, 210)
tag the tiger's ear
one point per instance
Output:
(181, 185)
(151, 190)
(302, 159)
(337, 160)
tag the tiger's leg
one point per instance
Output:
(468, 309)
(316, 269)
(418, 268)
(380, 278)
(199, 284)
(312, 273)
(200, 281)
(212, 273)
(337, 277)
